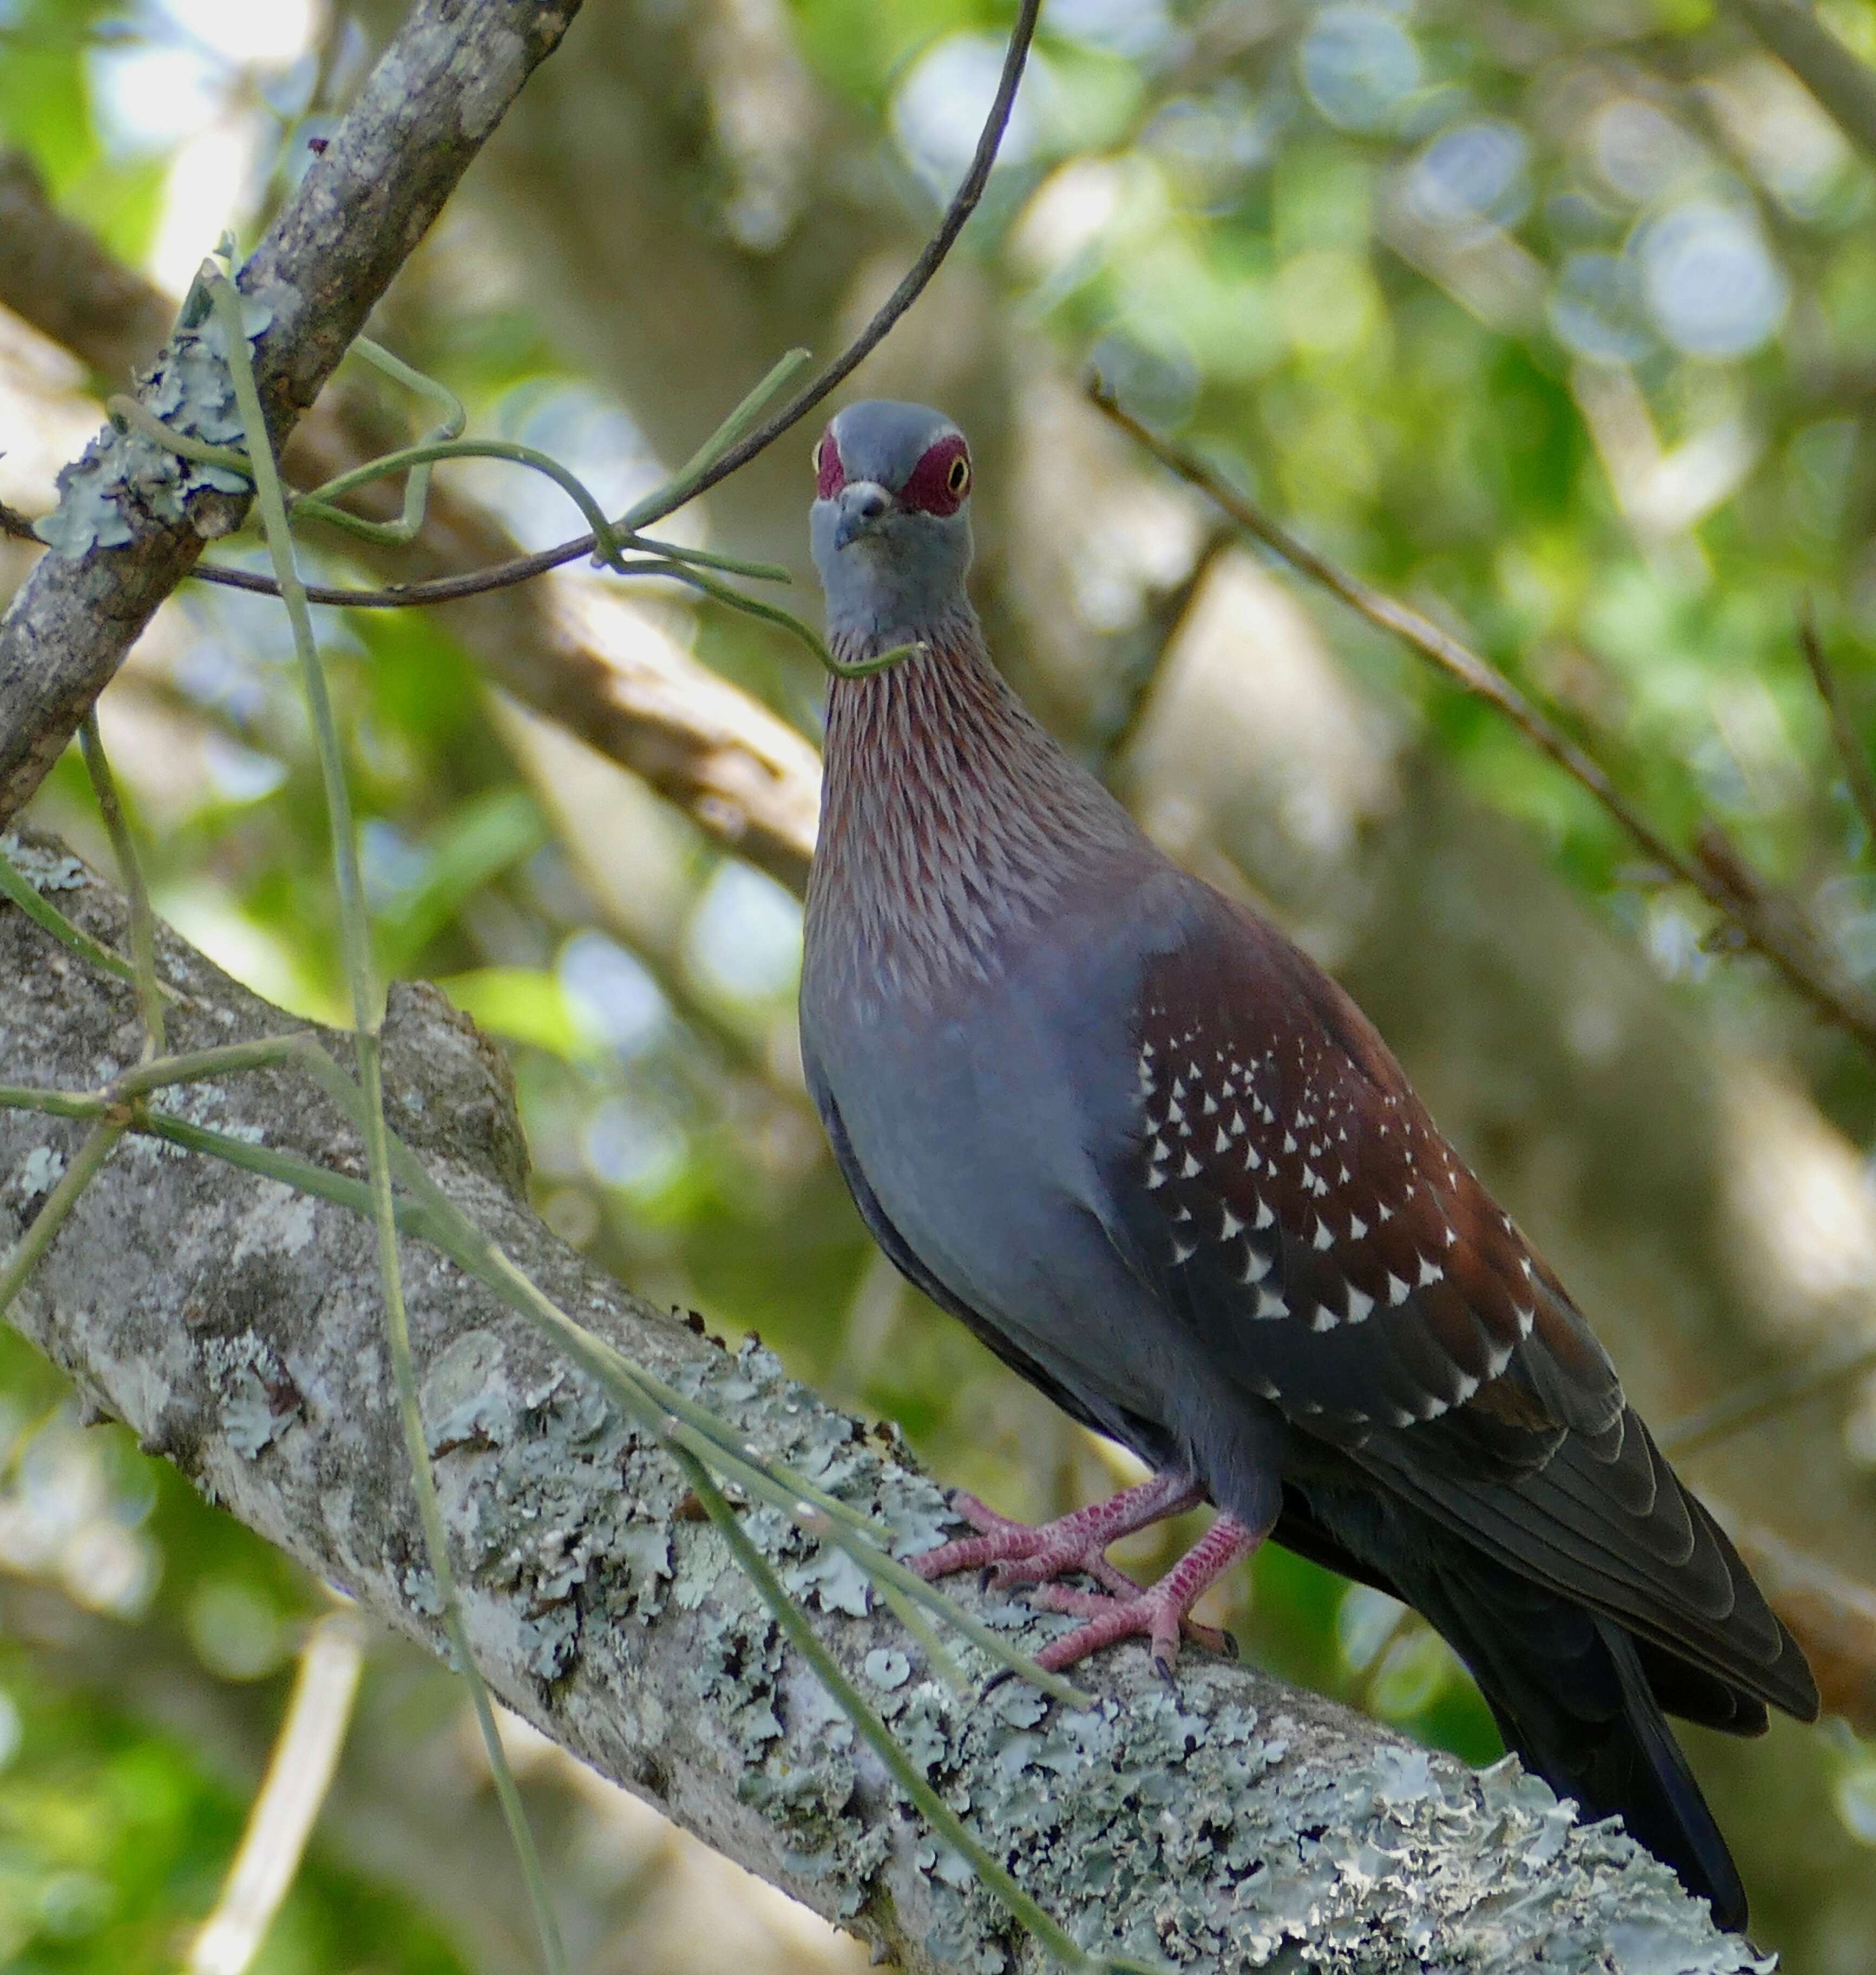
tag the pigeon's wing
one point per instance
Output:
(1292, 1202)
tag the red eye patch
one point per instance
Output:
(829, 475)
(941, 479)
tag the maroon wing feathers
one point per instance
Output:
(1301, 1212)
(1364, 1278)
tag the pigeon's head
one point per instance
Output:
(891, 521)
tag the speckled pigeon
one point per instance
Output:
(1165, 1167)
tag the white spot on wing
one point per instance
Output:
(1269, 1305)
(1358, 1304)
(1323, 1238)
(1431, 1272)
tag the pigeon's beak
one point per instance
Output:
(863, 504)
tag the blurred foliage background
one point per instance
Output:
(1558, 320)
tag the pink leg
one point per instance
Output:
(1014, 1553)
(1158, 1613)
(1011, 1554)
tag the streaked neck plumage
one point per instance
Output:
(951, 823)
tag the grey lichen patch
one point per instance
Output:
(1197, 1822)
(750, 1388)
(44, 868)
(562, 1507)
(888, 1669)
(281, 1221)
(42, 1170)
(259, 1399)
(123, 473)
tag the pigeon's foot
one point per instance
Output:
(1159, 1612)
(1009, 1554)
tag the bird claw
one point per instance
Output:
(1153, 1614)
(1009, 1556)
(1099, 1606)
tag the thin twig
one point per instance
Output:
(1771, 924)
(678, 565)
(143, 922)
(689, 485)
(1850, 749)
(1166, 614)
(356, 943)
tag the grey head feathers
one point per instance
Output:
(891, 523)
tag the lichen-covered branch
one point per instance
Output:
(133, 519)
(234, 1326)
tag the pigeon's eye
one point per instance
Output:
(939, 482)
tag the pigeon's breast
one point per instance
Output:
(982, 1119)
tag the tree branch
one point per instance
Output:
(565, 648)
(136, 524)
(234, 1326)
